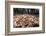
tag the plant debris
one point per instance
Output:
(25, 20)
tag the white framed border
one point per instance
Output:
(25, 29)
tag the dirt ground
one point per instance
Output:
(25, 20)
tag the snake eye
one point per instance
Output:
(26, 25)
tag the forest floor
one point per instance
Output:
(25, 20)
